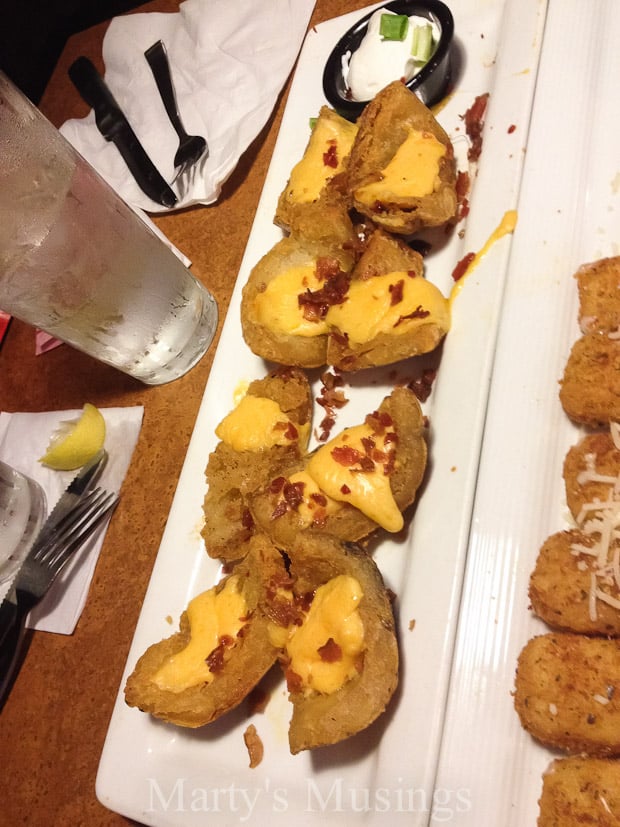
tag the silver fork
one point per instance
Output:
(191, 147)
(39, 572)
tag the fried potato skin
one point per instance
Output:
(384, 254)
(327, 234)
(559, 588)
(590, 386)
(598, 285)
(579, 791)
(348, 523)
(233, 475)
(559, 678)
(319, 720)
(383, 127)
(607, 463)
(250, 659)
(289, 208)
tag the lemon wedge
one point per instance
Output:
(77, 441)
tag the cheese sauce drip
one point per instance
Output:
(394, 303)
(213, 616)
(258, 423)
(324, 652)
(330, 143)
(277, 307)
(505, 227)
(413, 172)
(337, 470)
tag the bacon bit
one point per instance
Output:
(330, 652)
(474, 122)
(511, 128)
(327, 268)
(319, 499)
(331, 398)
(215, 660)
(461, 268)
(423, 384)
(378, 422)
(412, 274)
(293, 493)
(463, 184)
(294, 683)
(418, 313)
(330, 157)
(315, 304)
(290, 431)
(396, 292)
(346, 455)
(254, 746)
(276, 485)
(344, 489)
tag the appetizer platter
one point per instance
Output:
(162, 774)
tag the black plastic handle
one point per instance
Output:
(13, 642)
(157, 59)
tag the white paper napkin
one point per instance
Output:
(229, 62)
(24, 438)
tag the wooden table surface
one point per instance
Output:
(54, 723)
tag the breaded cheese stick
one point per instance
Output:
(579, 791)
(567, 693)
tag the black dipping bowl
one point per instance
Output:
(429, 84)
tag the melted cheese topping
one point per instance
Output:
(258, 423)
(370, 307)
(332, 621)
(333, 137)
(505, 227)
(368, 491)
(413, 172)
(277, 307)
(212, 616)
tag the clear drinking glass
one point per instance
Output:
(22, 511)
(77, 262)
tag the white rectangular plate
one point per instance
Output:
(569, 214)
(162, 775)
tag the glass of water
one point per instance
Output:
(22, 511)
(78, 263)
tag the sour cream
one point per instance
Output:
(378, 62)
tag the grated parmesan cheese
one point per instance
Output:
(600, 521)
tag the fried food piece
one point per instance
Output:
(567, 693)
(563, 587)
(590, 387)
(325, 156)
(578, 791)
(285, 299)
(236, 469)
(340, 652)
(207, 668)
(390, 312)
(402, 173)
(599, 295)
(294, 501)
(591, 473)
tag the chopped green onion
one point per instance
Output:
(312, 123)
(393, 26)
(422, 43)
